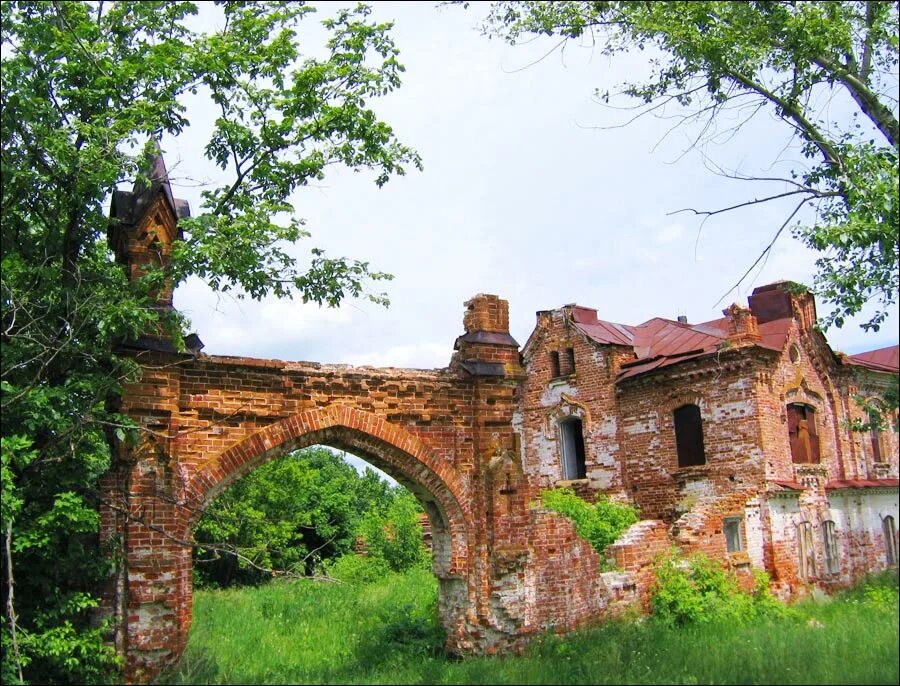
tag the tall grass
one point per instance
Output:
(387, 632)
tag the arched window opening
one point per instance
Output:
(689, 436)
(806, 550)
(890, 539)
(832, 559)
(803, 434)
(572, 449)
(875, 435)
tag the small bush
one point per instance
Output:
(357, 569)
(879, 591)
(600, 524)
(699, 589)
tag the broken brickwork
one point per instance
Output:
(698, 425)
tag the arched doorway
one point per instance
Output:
(159, 576)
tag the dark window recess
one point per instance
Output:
(803, 435)
(689, 436)
(876, 445)
(832, 559)
(554, 364)
(890, 539)
(572, 449)
(567, 362)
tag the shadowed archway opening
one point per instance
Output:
(332, 574)
(435, 485)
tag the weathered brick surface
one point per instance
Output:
(478, 441)
(742, 390)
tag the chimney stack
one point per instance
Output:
(742, 325)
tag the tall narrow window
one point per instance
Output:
(689, 436)
(554, 364)
(876, 444)
(734, 543)
(572, 449)
(803, 434)
(567, 362)
(806, 550)
(890, 539)
(832, 561)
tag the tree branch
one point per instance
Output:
(765, 252)
(868, 101)
(832, 157)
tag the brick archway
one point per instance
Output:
(387, 446)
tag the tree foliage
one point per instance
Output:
(719, 60)
(287, 517)
(393, 535)
(84, 86)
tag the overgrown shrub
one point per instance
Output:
(600, 524)
(698, 589)
(394, 536)
(357, 569)
(878, 591)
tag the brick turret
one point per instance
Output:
(742, 325)
(487, 349)
(144, 225)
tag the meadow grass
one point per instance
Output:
(387, 632)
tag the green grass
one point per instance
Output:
(387, 632)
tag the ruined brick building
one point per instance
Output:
(733, 437)
(734, 434)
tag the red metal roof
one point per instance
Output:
(839, 484)
(662, 342)
(883, 359)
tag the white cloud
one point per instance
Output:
(518, 198)
(427, 355)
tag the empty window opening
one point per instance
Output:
(875, 434)
(572, 449)
(832, 560)
(689, 436)
(802, 433)
(567, 362)
(554, 364)
(890, 539)
(806, 550)
(734, 542)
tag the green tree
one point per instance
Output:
(286, 517)
(716, 60)
(84, 86)
(393, 535)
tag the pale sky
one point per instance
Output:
(522, 196)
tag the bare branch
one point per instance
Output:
(10, 604)
(757, 201)
(765, 252)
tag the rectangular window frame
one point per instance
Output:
(806, 551)
(889, 529)
(803, 434)
(832, 555)
(734, 537)
(571, 436)
(554, 364)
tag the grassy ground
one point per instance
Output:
(314, 633)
